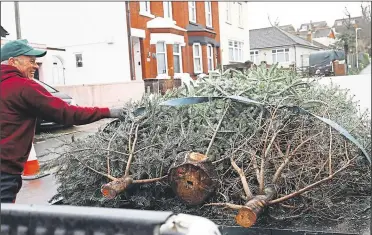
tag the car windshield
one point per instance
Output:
(48, 88)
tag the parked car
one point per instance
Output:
(43, 124)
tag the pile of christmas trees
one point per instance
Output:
(259, 146)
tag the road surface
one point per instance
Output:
(366, 70)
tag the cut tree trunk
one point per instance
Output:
(247, 215)
(112, 189)
(193, 178)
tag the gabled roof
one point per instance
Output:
(275, 37)
(288, 28)
(318, 44)
(316, 24)
(3, 32)
(352, 18)
(321, 33)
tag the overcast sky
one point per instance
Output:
(296, 13)
(51, 23)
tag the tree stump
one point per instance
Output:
(112, 189)
(193, 178)
(247, 216)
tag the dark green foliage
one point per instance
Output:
(246, 132)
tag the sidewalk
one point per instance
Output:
(366, 70)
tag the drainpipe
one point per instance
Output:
(17, 20)
(129, 41)
(295, 64)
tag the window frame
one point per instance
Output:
(76, 60)
(168, 5)
(255, 55)
(208, 14)
(200, 57)
(145, 7)
(228, 13)
(285, 52)
(165, 56)
(192, 11)
(240, 15)
(210, 58)
(180, 57)
(238, 50)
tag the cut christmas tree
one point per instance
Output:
(259, 147)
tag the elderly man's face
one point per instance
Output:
(25, 64)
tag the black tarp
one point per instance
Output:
(324, 58)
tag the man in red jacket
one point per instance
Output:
(22, 101)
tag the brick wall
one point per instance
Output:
(180, 13)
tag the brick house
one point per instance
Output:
(170, 39)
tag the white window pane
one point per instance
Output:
(280, 57)
(196, 50)
(231, 54)
(210, 52)
(197, 65)
(177, 63)
(167, 9)
(287, 56)
(176, 48)
(161, 63)
(160, 47)
(274, 58)
(236, 54)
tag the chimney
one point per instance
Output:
(309, 36)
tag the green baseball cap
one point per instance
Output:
(19, 47)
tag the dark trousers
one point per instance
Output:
(10, 186)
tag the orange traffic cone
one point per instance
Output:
(31, 169)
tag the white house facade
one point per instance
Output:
(273, 45)
(234, 32)
(284, 55)
(90, 60)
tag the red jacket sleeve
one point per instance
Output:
(43, 104)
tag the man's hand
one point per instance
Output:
(118, 113)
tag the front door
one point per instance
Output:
(137, 58)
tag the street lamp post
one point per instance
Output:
(356, 46)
